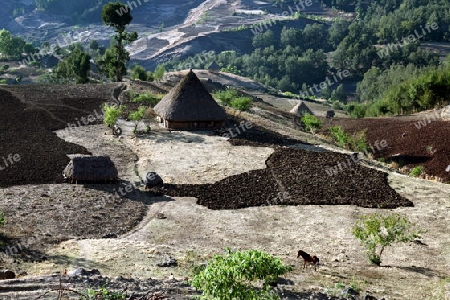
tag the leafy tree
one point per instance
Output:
(111, 114)
(264, 39)
(10, 46)
(75, 67)
(116, 57)
(376, 232)
(231, 276)
(339, 94)
(138, 72)
(159, 72)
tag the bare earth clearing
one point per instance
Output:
(63, 226)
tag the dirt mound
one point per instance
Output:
(422, 140)
(296, 177)
(29, 151)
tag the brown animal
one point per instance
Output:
(312, 259)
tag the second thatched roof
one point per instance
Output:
(189, 101)
(301, 108)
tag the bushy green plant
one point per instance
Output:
(376, 232)
(241, 103)
(137, 115)
(138, 72)
(356, 142)
(148, 98)
(232, 276)
(104, 294)
(417, 171)
(339, 136)
(111, 114)
(311, 123)
(225, 96)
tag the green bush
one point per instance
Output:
(376, 232)
(311, 123)
(356, 110)
(137, 115)
(138, 72)
(233, 275)
(104, 294)
(241, 103)
(339, 136)
(226, 96)
(148, 99)
(417, 171)
(111, 114)
(356, 142)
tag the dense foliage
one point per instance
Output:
(75, 67)
(382, 40)
(234, 275)
(232, 97)
(12, 47)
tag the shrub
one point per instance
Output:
(376, 232)
(339, 136)
(230, 276)
(231, 97)
(138, 72)
(111, 114)
(356, 142)
(137, 115)
(417, 171)
(104, 294)
(225, 96)
(241, 103)
(311, 123)
(148, 98)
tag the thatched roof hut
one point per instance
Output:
(301, 109)
(91, 169)
(190, 106)
(214, 67)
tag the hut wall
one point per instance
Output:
(194, 125)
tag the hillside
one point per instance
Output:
(264, 183)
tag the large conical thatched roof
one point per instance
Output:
(189, 101)
(301, 108)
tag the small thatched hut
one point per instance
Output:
(214, 67)
(190, 106)
(91, 169)
(301, 109)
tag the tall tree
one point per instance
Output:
(118, 16)
(75, 67)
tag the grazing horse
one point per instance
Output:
(312, 259)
